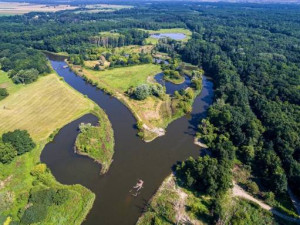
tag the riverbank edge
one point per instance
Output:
(147, 131)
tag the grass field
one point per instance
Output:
(120, 79)
(153, 41)
(41, 108)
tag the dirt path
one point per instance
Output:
(239, 192)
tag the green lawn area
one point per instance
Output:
(121, 79)
(42, 108)
(6, 82)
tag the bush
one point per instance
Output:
(142, 91)
(25, 76)
(3, 93)
(38, 169)
(252, 187)
(49, 197)
(20, 140)
(7, 152)
(42, 197)
(158, 90)
(61, 196)
(34, 214)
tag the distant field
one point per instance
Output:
(41, 107)
(97, 8)
(17, 8)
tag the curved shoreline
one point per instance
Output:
(133, 158)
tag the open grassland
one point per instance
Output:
(151, 40)
(17, 8)
(42, 108)
(120, 79)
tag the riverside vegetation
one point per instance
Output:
(250, 51)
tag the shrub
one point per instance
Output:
(34, 214)
(252, 187)
(49, 196)
(42, 197)
(3, 93)
(142, 91)
(7, 152)
(20, 140)
(61, 196)
(158, 90)
(38, 169)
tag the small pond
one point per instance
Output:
(175, 36)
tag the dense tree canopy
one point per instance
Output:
(20, 140)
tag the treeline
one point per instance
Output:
(119, 38)
(23, 65)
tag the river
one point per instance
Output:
(133, 158)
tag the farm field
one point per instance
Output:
(17, 8)
(42, 107)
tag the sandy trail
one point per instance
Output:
(239, 192)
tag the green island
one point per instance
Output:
(42, 108)
(97, 141)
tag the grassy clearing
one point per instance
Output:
(120, 79)
(97, 141)
(42, 108)
(154, 41)
(6, 82)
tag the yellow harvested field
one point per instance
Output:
(42, 107)
(13, 8)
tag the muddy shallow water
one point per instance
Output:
(133, 158)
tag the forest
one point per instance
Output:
(251, 52)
